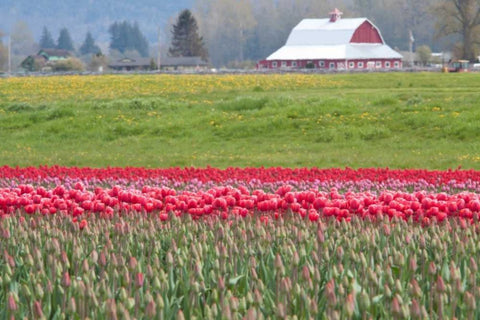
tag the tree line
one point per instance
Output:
(235, 31)
(239, 33)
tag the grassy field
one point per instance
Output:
(399, 120)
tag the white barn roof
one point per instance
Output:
(323, 39)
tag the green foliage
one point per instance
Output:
(46, 40)
(65, 41)
(423, 54)
(89, 46)
(125, 36)
(186, 41)
(138, 266)
(70, 64)
(397, 120)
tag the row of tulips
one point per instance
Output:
(139, 267)
(274, 174)
(226, 201)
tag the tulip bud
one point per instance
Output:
(132, 264)
(473, 265)
(251, 314)
(415, 289)
(94, 256)
(221, 283)
(170, 260)
(440, 285)
(103, 259)
(350, 305)
(111, 308)
(37, 310)
(387, 290)
(258, 297)
(296, 259)
(364, 301)
(139, 279)
(470, 301)
(72, 306)
(330, 293)
(340, 252)
(130, 303)
(85, 266)
(123, 294)
(38, 291)
(432, 269)
(150, 309)
(396, 307)
(398, 286)
(160, 302)
(412, 264)
(66, 282)
(281, 313)
(12, 304)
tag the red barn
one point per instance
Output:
(334, 43)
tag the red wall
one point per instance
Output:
(366, 33)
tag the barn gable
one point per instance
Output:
(366, 33)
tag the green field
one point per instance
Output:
(397, 120)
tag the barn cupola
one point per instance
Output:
(335, 15)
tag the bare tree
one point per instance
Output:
(460, 17)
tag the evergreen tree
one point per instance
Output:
(140, 43)
(186, 41)
(65, 41)
(46, 41)
(125, 37)
(89, 46)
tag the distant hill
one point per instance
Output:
(80, 16)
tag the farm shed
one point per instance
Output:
(334, 44)
(183, 63)
(129, 64)
(43, 58)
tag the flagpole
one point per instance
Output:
(9, 54)
(159, 51)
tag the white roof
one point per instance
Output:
(322, 39)
(333, 52)
(324, 32)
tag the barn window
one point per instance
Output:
(378, 64)
(360, 64)
(274, 64)
(387, 64)
(351, 65)
(321, 64)
(294, 63)
(332, 65)
(396, 64)
(284, 64)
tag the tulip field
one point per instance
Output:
(240, 197)
(239, 243)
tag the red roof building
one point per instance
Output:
(336, 44)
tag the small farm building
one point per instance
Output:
(166, 63)
(335, 44)
(129, 64)
(44, 58)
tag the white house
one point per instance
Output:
(334, 43)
